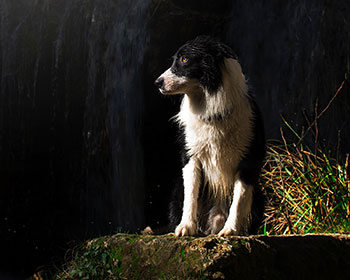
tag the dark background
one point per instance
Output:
(86, 145)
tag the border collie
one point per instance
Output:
(223, 139)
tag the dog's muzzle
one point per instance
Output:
(159, 83)
(170, 83)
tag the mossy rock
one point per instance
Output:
(125, 256)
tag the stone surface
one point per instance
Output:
(254, 257)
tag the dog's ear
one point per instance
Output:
(211, 74)
(224, 51)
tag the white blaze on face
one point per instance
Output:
(173, 84)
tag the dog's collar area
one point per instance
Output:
(216, 117)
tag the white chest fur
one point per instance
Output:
(219, 145)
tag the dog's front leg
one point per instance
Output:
(191, 178)
(239, 215)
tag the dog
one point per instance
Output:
(224, 143)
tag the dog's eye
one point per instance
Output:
(184, 59)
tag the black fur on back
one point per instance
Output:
(250, 168)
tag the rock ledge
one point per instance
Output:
(254, 257)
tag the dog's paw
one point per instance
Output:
(227, 231)
(186, 229)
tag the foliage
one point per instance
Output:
(133, 256)
(308, 191)
(94, 260)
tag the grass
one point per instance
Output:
(308, 191)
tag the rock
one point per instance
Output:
(124, 256)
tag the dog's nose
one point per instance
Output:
(159, 82)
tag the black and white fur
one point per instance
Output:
(223, 138)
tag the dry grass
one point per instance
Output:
(308, 191)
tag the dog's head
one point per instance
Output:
(196, 65)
